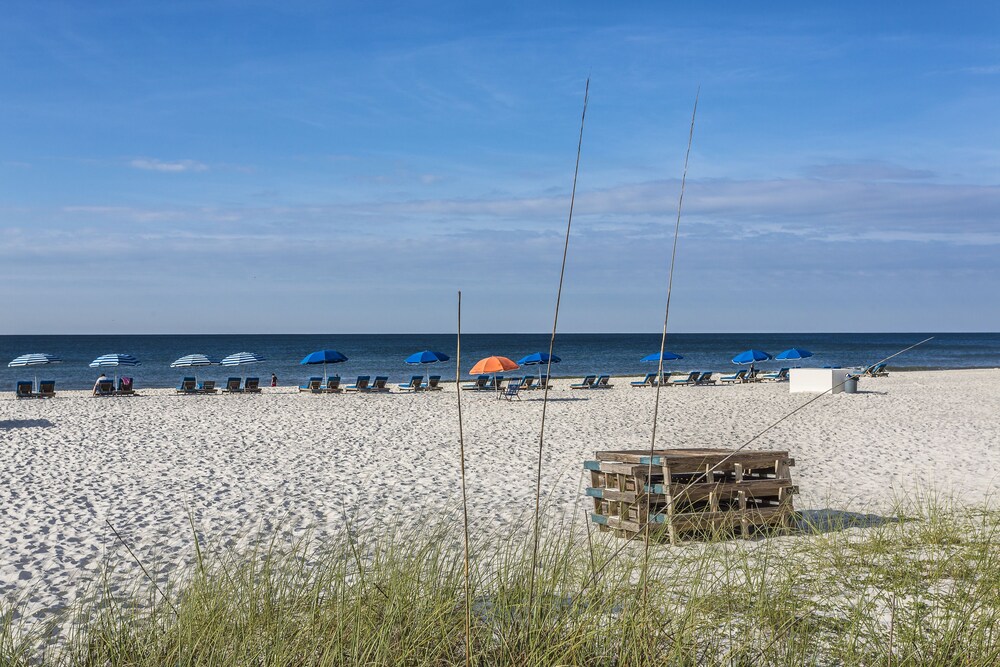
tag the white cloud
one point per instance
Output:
(177, 166)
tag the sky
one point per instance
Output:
(348, 167)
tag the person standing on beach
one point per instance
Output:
(274, 380)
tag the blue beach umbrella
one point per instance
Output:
(794, 353)
(667, 356)
(539, 359)
(37, 359)
(194, 361)
(751, 356)
(323, 357)
(426, 357)
(114, 361)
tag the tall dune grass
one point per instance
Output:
(920, 588)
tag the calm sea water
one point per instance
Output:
(383, 354)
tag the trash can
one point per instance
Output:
(851, 384)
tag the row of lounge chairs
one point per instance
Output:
(495, 382)
(234, 385)
(26, 389)
(878, 370)
(593, 382)
(107, 387)
(364, 383)
(707, 378)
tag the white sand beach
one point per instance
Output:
(294, 463)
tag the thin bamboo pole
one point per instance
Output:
(552, 343)
(465, 502)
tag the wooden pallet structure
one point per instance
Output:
(676, 493)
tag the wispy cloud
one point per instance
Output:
(176, 166)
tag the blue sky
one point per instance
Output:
(347, 167)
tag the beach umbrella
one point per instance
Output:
(751, 356)
(114, 361)
(794, 353)
(194, 361)
(667, 356)
(539, 359)
(493, 365)
(323, 357)
(37, 359)
(242, 359)
(426, 357)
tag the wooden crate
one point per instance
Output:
(676, 493)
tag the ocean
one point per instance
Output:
(383, 354)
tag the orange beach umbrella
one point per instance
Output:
(493, 365)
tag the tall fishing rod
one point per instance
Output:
(552, 342)
(666, 317)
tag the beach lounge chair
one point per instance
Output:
(105, 388)
(776, 376)
(682, 379)
(188, 385)
(529, 382)
(416, 383)
(878, 370)
(602, 382)
(24, 389)
(46, 388)
(734, 378)
(585, 383)
(380, 384)
(433, 383)
(478, 384)
(510, 392)
(705, 378)
(648, 381)
(232, 386)
(124, 387)
(361, 384)
(252, 386)
(543, 382)
(313, 385)
(207, 387)
(495, 383)
(333, 385)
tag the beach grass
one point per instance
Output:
(918, 587)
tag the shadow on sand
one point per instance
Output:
(11, 424)
(814, 522)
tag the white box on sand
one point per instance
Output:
(816, 380)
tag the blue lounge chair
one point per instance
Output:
(24, 389)
(648, 381)
(207, 387)
(380, 384)
(585, 383)
(361, 384)
(529, 382)
(188, 385)
(687, 380)
(776, 376)
(233, 386)
(433, 383)
(478, 384)
(416, 383)
(510, 392)
(705, 378)
(125, 387)
(313, 385)
(332, 385)
(878, 370)
(602, 382)
(47, 389)
(734, 378)
(252, 386)
(105, 388)
(495, 383)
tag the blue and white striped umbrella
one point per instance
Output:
(192, 360)
(241, 358)
(114, 361)
(109, 360)
(39, 359)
